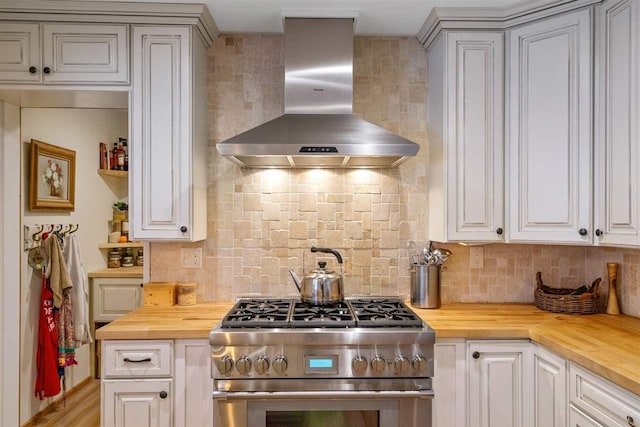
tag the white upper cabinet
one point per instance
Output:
(167, 175)
(550, 130)
(465, 119)
(93, 54)
(617, 118)
(19, 52)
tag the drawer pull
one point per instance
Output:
(630, 421)
(148, 359)
(163, 394)
(476, 355)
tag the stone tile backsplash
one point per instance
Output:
(262, 222)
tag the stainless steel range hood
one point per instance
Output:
(318, 129)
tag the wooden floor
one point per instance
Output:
(82, 409)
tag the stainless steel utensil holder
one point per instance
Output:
(425, 285)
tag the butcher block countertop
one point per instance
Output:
(606, 344)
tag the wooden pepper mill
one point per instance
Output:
(612, 302)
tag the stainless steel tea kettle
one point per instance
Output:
(321, 286)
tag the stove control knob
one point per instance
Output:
(419, 363)
(280, 365)
(401, 365)
(378, 364)
(243, 365)
(262, 365)
(224, 365)
(359, 365)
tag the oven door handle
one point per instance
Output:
(338, 394)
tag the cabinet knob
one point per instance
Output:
(163, 394)
(183, 229)
(476, 355)
(583, 231)
(32, 69)
(599, 232)
(499, 231)
(630, 421)
(46, 70)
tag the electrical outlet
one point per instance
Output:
(476, 257)
(191, 257)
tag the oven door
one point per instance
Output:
(323, 408)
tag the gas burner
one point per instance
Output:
(258, 313)
(377, 312)
(330, 316)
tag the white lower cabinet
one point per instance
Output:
(156, 383)
(499, 372)
(549, 388)
(137, 403)
(602, 400)
(495, 383)
(114, 297)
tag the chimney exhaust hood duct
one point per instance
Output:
(318, 129)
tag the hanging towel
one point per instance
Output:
(79, 293)
(56, 271)
(47, 379)
(66, 337)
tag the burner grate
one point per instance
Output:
(330, 316)
(259, 313)
(381, 312)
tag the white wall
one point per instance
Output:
(81, 130)
(9, 257)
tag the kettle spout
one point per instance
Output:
(296, 279)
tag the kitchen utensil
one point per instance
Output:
(412, 247)
(425, 286)
(612, 301)
(321, 286)
(427, 252)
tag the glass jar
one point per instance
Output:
(127, 261)
(114, 259)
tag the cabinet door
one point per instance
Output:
(160, 157)
(499, 384)
(137, 403)
(550, 389)
(550, 130)
(96, 54)
(474, 136)
(111, 298)
(194, 386)
(577, 418)
(617, 115)
(19, 51)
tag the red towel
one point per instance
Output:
(48, 380)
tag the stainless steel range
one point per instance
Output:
(361, 362)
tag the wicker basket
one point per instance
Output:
(560, 300)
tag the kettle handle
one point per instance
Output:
(328, 251)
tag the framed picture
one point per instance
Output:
(52, 177)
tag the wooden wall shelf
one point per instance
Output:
(114, 173)
(120, 245)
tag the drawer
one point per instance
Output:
(604, 401)
(131, 359)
